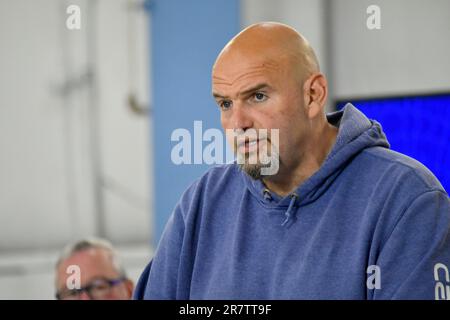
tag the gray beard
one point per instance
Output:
(253, 170)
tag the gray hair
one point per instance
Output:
(92, 243)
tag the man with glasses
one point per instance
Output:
(100, 275)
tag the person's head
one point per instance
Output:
(101, 275)
(268, 77)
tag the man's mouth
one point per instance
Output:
(249, 146)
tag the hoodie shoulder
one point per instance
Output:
(217, 175)
(214, 174)
(220, 171)
(401, 164)
(215, 179)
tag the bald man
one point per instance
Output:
(342, 217)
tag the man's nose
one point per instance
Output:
(241, 119)
(84, 296)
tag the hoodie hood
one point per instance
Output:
(356, 133)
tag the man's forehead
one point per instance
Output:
(246, 84)
(235, 79)
(87, 258)
(92, 263)
(230, 73)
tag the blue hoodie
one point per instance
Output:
(369, 224)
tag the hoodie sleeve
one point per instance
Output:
(139, 291)
(414, 262)
(159, 279)
(167, 276)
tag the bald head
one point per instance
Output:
(267, 77)
(271, 42)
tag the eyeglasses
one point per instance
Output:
(97, 289)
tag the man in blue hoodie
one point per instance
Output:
(344, 217)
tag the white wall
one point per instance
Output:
(75, 160)
(410, 53)
(37, 131)
(123, 67)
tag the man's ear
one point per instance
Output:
(315, 90)
(130, 287)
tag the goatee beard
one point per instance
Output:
(253, 170)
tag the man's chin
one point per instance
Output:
(255, 167)
(253, 170)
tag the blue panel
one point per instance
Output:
(186, 37)
(416, 126)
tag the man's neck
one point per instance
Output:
(289, 178)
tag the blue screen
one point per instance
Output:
(416, 126)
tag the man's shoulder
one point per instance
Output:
(220, 174)
(221, 171)
(218, 182)
(401, 165)
(216, 177)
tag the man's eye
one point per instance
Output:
(225, 104)
(260, 97)
(100, 286)
(72, 293)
